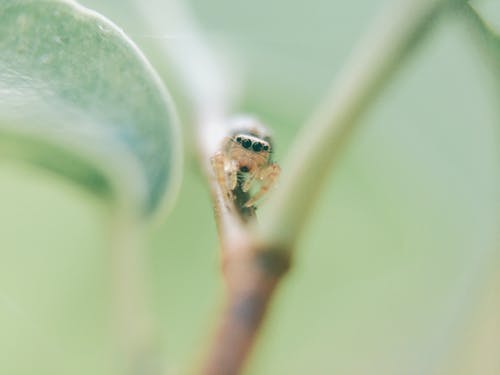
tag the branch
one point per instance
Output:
(251, 276)
(377, 58)
(250, 281)
(256, 256)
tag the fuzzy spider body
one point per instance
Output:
(247, 159)
(244, 161)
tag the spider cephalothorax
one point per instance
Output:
(244, 160)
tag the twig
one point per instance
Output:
(251, 275)
(376, 60)
(250, 282)
(255, 257)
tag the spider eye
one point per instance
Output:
(265, 148)
(247, 143)
(238, 139)
(257, 146)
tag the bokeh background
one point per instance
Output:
(398, 270)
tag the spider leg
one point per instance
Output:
(268, 176)
(219, 165)
(232, 175)
(248, 182)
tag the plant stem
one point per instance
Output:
(256, 256)
(250, 283)
(251, 277)
(137, 348)
(376, 60)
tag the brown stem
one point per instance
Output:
(252, 272)
(251, 276)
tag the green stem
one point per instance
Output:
(137, 346)
(376, 60)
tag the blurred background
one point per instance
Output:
(398, 270)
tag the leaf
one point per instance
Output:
(79, 98)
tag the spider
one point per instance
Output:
(244, 161)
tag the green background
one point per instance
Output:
(393, 273)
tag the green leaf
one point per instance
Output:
(79, 98)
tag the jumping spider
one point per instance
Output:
(244, 161)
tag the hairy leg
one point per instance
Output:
(268, 177)
(219, 165)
